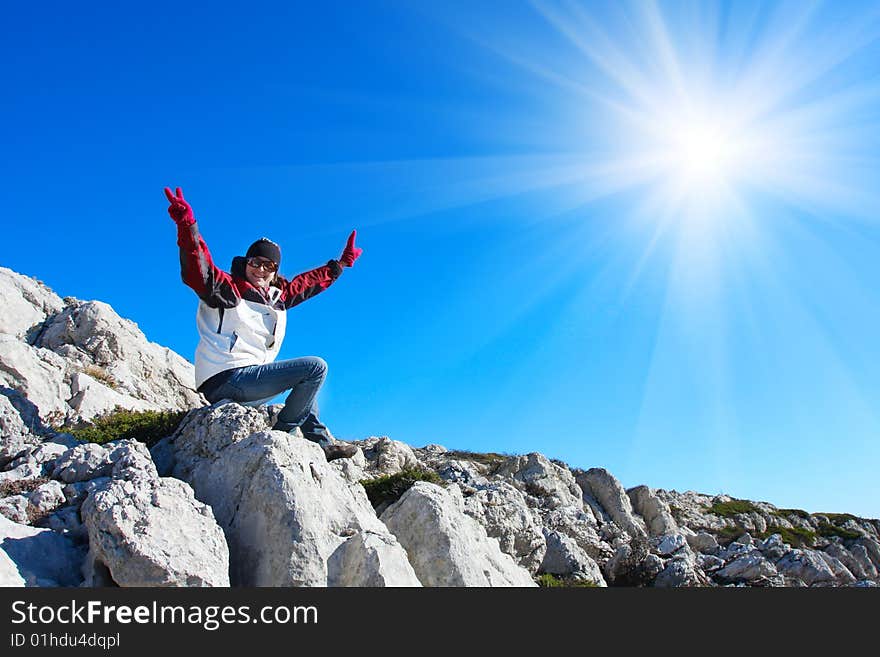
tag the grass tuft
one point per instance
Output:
(491, 459)
(145, 426)
(100, 374)
(555, 581)
(390, 488)
(732, 508)
(828, 530)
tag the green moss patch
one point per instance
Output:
(828, 530)
(492, 459)
(838, 517)
(796, 536)
(391, 487)
(555, 581)
(732, 508)
(145, 426)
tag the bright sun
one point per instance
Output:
(702, 152)
(697, 153)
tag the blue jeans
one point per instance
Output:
(302, 376)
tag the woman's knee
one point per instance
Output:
(319, 367)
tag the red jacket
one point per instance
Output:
(238, 323)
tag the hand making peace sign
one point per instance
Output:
(179, 209)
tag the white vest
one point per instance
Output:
(250, 333)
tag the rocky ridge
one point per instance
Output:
(226, 501)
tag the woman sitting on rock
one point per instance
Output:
(241, 321)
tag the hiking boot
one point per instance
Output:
(339, 451)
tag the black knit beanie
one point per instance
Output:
(265, 248)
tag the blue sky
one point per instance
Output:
(641, 236)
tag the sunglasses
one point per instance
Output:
(259, 263)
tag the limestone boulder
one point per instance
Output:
(806, 566)
(502, 511)
(91, 334)
(387, 457)
(703, 542)
(90, 460)
(40, 375)
(750, 567)
(606, 489)
(842, 575)
(653, 510)
(446, 547)
(151, 531)
(41, 556)
(370, 559)
(26, 303)
(579, 524)
(285, 511)
(856, 566)
(533, 474)
(564, 557)
(679, 572)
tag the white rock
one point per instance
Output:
(539, 477)
(709, 562)
(578, 523)
(26, 302)
(91, 333)
(445, 546)
(653, 510)
(630, 565)
(386, 457)
(153, 532)
(677, 573)
(83, 462)
(842, 574)
(565, 557)
(872, 549)
(39, 374)
(43, 557)
(670, 543)
(285, 511)
(16, 437)
(502, 511)
(602, 486)
(855, 566)
(749, 567)
(91, 398)
(806, 566)
(15, 508)
(47, 497)
(76, 492)
(703, 542)
(773, 547)
(351, 469)
(47, 452)
(370, 559)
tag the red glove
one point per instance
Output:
(179, 209)
(351, 252)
